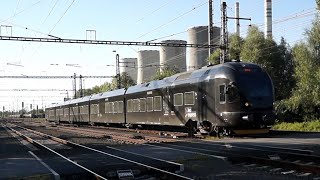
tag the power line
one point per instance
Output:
(53, 77)
(36, 90)
(62, 16)
(100, 42)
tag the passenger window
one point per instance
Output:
(66, 112)
(157, 103)
(136, 105)
(178, 99)
(189, 98)
(129, 105)
(106, 105)
(143, 105)
(150, 104)
(120, 107)
(222, 93)
(115, 107)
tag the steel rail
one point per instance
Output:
(173, 175)
(243, 158)
(56, 153)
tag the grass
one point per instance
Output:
(310, 126)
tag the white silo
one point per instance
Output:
(148, 63)
(174, 57)
(199, 35)
(129, 66)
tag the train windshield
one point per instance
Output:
(255, 85)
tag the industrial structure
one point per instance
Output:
(268, 18)
(198, 56)
(174, 57)
(148, 63)
(128, 65)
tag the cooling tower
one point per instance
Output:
(148, 63)
(128, 65)
(199, 35)
(174, 57)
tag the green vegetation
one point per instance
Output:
(295, 71)
(126, 81)
(165, 71)
(311, 126)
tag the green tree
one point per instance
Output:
(305, 99)
(254, 47)
(235, 46)
(275, 59)
(214, 58)
(165, 71)
(126, 82)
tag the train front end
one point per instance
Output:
(249, 100)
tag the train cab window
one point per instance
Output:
(178, 99)
(222, 93)
(232, 93)
(142, 104)
(189, 98)
(157, 103)
(149, 104)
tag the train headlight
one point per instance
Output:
(246, 104)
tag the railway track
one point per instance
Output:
(122, 137)
(287, 162)
(154, 166)
(296, 163)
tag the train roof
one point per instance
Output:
(192, 76)
(117, 92)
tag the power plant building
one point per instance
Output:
(129, 66)
(173, 57)
(199, 35)
(148, 63)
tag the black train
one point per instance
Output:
(231, 97)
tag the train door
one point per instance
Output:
(220, 96)
(202, 102)
(166, 106)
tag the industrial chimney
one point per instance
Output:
(268, 18)
(237, 28)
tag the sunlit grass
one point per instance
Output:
(312, 126)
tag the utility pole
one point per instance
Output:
(75, 86)
(210, 27)
(224, 34)
(80, 84)
(224, 30)
(118, 72)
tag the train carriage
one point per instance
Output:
(108, 107)
(228, 97)
(83, 110)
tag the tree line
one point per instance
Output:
(295, 70)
